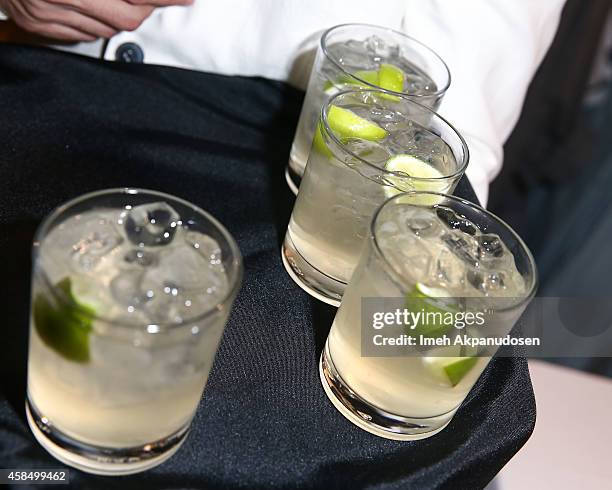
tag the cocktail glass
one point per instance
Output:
(439, 255)
(131, 290)
(368, 56)
(369, 146)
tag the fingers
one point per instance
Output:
(56, 31)
(83, 20)
(43, 12)
(64, 33)
(88, 25)
(118, 14)
(32, 23)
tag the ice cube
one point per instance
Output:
(463, 246)
(172, 304)
(151, 224)
(181, 265)
(205, 245)
(387, 229)
(353, 55)
(490, 246)
(369, 151)
(102, 238)
(418, 263)
(448, 271)
(407, 254)
(410, 137)
(423, 224)
(448, 217)
(466, 226)
(140, 257)
(401, 139)
(456, 222)
(126, 289)
(487, 282)
(186, 281)
(375, 44)
(394, 122)
(379, 50)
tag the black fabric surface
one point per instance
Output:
(69, 125)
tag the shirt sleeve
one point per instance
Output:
(493, 49)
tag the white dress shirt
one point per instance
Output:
(492, 48)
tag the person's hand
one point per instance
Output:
(81, 20)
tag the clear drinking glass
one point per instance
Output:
(424, 252)
(351, 55)
(369, 146)
(131, 290)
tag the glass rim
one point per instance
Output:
(336, 63)
(466, 151)
(60, 296)
(523, 246)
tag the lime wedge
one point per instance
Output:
(414, 167)
(447, 363)
(458, 367)
(434, 307)
(390, 77)
(370, 76)
(450, 369)
(64, 327)
(347, 124)
(319, 144)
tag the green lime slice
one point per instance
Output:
(450, 369)
(347, 124)
(370, 76)
(418, 169)
(458, 367)
(390, 77)
(64, 327)
(319, 144)
(448, 364)
(432, 303)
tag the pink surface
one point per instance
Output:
(571, 444)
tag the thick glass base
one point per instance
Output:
(373, 419)
(293, 179)
(309, 278)
(101, 460)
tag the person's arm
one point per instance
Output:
(493, 49)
